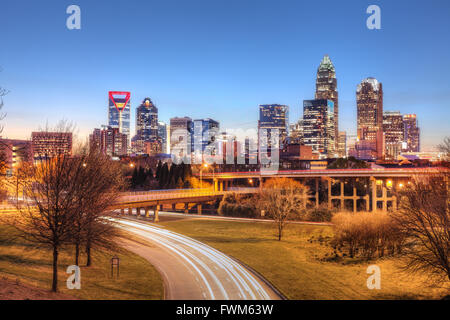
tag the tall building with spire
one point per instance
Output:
(326, 88)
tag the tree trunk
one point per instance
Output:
(77, 253)
(55, 269)
(88, 253)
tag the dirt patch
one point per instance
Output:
(14, 290)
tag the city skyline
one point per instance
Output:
(199, 86)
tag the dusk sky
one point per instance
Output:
(220, 59)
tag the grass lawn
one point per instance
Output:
(138, 278)
(296, 265)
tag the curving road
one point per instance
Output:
(193, 270)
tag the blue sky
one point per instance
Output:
(220, 59)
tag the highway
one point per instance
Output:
(193, 270)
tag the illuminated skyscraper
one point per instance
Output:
(181, 131)
(146, 125)
(369, 101)
(273, 117)
(163, 135)
(393, 133)
(109, 141)
(205, 132)
(326, 88)
(342, 144)
(318, 127)
(119, 111)
(412, 133)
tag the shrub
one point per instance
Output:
(366, 233)
(235, 205)
(319, 215)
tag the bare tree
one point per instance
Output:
(282, 198)
(46, 215)
(445, 148)
(3, 92)
(424, 217)
(98, 187)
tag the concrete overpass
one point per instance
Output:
(152, 200)
(380, 184)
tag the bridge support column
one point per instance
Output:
(130, 211)
(199, 208)
(155, 214)
(384, 199)
(373, 183)
(355, 200)
(342, 199)
(261, 184)
(147, 212)
(367, 199)
(216, 187)
(174, 207)
(186, 208)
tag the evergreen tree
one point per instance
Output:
(158, 170)
(164, 175)
(141, 176)
(134, 178)
(172, 175)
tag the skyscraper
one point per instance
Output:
(273, 117)
(109, 141)
(162, 134)
(205, 132)
(326, 88)
(369, 101)
(119, 111)
(411, 133)
(393, 133)
(296, 132)
(181, 130)
(146, 125)
(318, 127)
(342, 144)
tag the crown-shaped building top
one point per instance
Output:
(326, 64)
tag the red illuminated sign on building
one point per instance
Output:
(121, 93)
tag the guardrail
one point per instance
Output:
(265, 174)
(177, 193)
